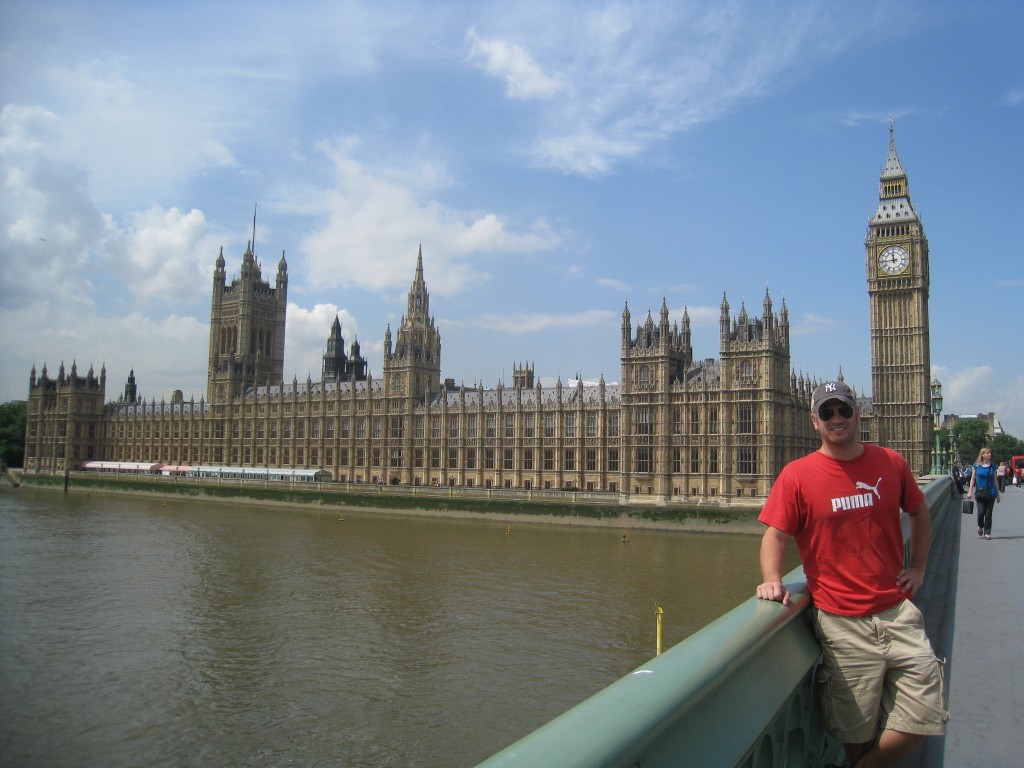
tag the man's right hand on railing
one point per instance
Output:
(773, 590)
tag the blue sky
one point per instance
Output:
(555, 160)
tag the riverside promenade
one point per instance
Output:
(982, 637)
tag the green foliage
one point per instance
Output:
(970, 436)
(12, 433)
(946, 443)
(1005, 446)
(711, 514)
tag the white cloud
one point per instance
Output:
(58, 243)
(135, 135)
(523, 77)
(166, 255)
(979, 389)
(631, 76)
(1010, 406)
(518, 324)
(376, 216)
(1014, 97)
(49, 224)
(960, 386)
(614, 284)
(705, 317)
(586, 151)
(168, 349)
(76, 283)
(810, 324)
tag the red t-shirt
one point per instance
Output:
(845, 516)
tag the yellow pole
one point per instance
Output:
(658, 612)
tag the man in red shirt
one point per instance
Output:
(881, 687)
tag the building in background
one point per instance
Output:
(950, 421)
(673, 428)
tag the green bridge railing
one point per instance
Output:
(737, 693)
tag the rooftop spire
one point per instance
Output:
(893, 187)
(419, 299)
(893, 166)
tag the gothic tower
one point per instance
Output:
(64, 419)
(897, 272)
(337, 365)
(522, 376)
(247, 320)
(413, 369)
(131, 389)
(756, 390)
(654, 361)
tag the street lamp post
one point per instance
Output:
(938, 455)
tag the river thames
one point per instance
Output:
(137, 632)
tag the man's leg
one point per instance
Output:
(888, 749)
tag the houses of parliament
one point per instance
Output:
(672, 429)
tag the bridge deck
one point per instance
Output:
(985, 673)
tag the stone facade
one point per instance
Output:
(247, 320)
(66, 419)
(673, 429)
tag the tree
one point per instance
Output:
(1004, 446)
(970, 436)
(12, 433)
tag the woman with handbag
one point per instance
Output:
(984, 491)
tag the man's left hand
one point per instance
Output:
(909, 580)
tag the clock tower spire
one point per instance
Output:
(898, 280)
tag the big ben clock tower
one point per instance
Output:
(897, 267)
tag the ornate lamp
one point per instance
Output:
(936, 400)
(938, 456)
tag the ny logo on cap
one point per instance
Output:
(830, 387)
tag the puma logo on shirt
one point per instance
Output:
(858, 500)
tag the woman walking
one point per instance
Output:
(984, 491)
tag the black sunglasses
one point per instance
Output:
(826, 412)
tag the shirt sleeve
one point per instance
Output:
(781, 509)
(913, 496)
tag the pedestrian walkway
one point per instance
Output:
(985, 673)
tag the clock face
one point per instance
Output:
(893, 260)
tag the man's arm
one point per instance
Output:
(911, 578)
(773, 556)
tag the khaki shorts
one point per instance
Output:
(879, 673)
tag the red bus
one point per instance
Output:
(1017, 465)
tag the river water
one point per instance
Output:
(149, 633)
